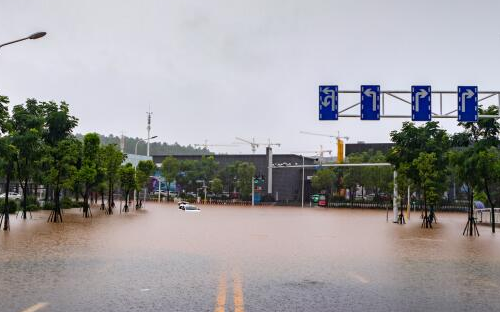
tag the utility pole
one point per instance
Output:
(253, 191)
(122, 143)
(149, 129)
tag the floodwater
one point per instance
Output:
(246, 259)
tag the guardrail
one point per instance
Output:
(483, 215)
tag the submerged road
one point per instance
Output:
(246, 259)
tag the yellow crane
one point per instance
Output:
(340, 143)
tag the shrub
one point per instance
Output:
(13, 206)
(32, 207)
(67, 202)
(48, 206)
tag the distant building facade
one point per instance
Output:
(360, 147)
(286, 182)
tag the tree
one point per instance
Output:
(170, 170)
(483, 135)
(430, 182)
(488, 169)
(323, 180)
(465, 164)
(113, 158)
(4, 113)
(62, 172)
(127, 182)
(216, 186)
(61, 150)
(245, 172)
(7, 156)
(145, 168)
(26, 134)
(90, 168)
(410, 142)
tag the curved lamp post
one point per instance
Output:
(32, 37)
(137, 143)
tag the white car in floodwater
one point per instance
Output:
(190, 208)
(182, 204)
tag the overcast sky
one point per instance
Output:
(218, 69)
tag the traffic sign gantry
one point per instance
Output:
(370, 102)
(421, 103)
(328, 103)
(467, 104)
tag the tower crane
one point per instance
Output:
(320, 152)
(269, 151)
(206, 145)
(340, 142)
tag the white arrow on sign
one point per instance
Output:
(330, 94)
(469, 93)
(368, 92)
(420, 94)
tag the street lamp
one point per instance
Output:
(137, 143)
(32, 37)
(153, 137)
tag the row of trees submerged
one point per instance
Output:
(37, 147)
(428, 160)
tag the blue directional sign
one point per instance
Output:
(370, 102)
(467, 104)
(328, 103)
(421, 103)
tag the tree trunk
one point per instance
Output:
(86, 207)
(56, 215)
(110, 199)
(168, 191)
(6, 221)
(103, 206)
(125, 208)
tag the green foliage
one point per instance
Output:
(145, 168)
(428, 144)
(430, 179)
(127, 177)
(4, 113)
(90, 167)
(156, 148)
(112, 160)
(170, 168)
(12, 204)
(323, 180)
(216, 186)
(376, 178)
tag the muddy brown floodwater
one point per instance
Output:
(246, 259)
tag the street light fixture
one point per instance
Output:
(32, 37)
(153, 137)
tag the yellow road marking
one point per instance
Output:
(359, 278)
(221, 294)
(36, 307)
(238, 294)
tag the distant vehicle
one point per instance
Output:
(384, 196)
(370, 196)
(182, 204)
(190, 208)
(315, 198)
(322, 201)
(12, 195)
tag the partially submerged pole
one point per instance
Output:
(395, 198)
